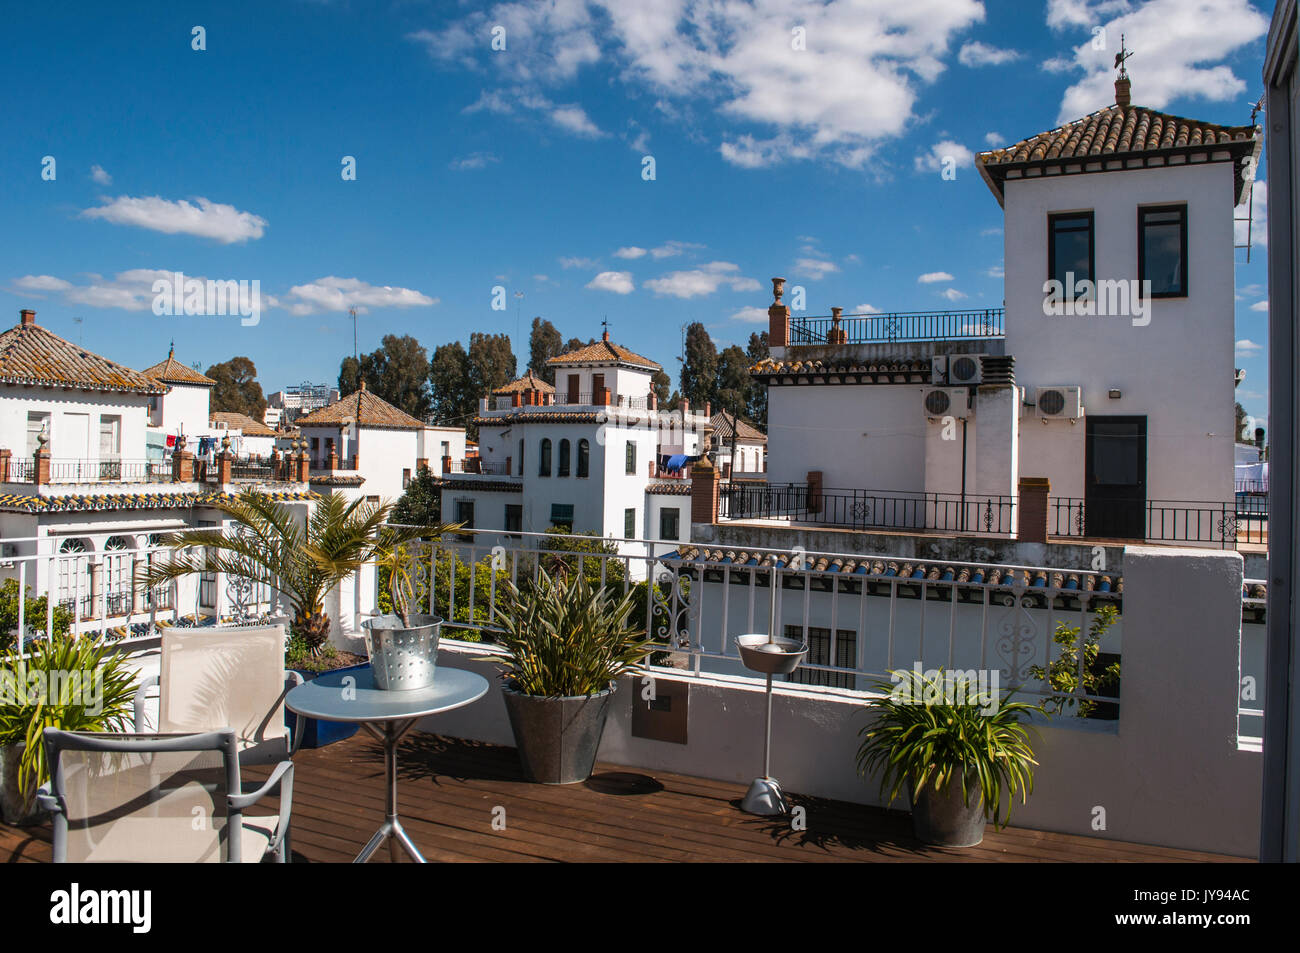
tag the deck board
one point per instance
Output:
(448, 789)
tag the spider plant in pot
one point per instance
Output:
(402, 645)
(959, 748)
(75, 684)
(567, 642)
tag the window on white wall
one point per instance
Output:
(37, 423)
(110, 436)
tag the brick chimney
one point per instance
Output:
(27, 318)
(605, 335)
(836, 335)
(778, 317)
(1123, 91)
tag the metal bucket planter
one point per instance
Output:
(557, 738)
(15, 808)
(402, 658)
(942, 819)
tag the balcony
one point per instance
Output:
(622, 814)
(477, 465)
(898, 327)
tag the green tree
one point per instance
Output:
(1063, 674)
(661, 383)
(451, 398)
(544, 343)
(757, 402)
(237, 390)
(397, 371)
(733, 381)
(699, 367)
(421, 504)
(34, 613)
(491, 363)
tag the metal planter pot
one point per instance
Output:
(942, 819)
(15, 808)
(557, 738)
(402, 658)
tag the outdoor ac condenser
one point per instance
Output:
(1059, 402)
(938, 402)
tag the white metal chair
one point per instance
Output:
(219, 676)
(166, 798)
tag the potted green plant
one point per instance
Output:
(567, 642)
(959, 751)
(76, 684)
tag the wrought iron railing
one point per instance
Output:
(109, 471)
(479, 465)
(1227, 524)
(868, 509)
(901, 326)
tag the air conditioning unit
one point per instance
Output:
(939, 369)
(945, 402)
(964, 369)
(1059, 402)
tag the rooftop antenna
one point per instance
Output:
(79, 322)
(519, 297)
(353, 313)
(1257, 108)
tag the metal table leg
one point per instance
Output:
(391, 830)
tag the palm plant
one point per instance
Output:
(70, 683)
(302, 563)
(566, 637)
(920, 742)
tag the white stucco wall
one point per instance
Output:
(1178, 370)
(72, 414)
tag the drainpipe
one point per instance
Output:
(962, 521)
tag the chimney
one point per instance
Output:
(1123, 90)
(27, 318)
(605, 335)
(778, 317)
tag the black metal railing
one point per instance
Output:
(1226, 524)
(22, 471)
(868, 509)
(478, 465)
(253, 470)
(901, 326)
(110, 471)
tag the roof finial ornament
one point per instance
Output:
(171, 349)
(1123, 88)
(604, 323)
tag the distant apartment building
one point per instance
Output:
(300, 399)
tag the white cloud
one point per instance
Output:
(854, 86)
(986, 232)
(1247, 348)
(1253, 290)
(578, 263)
(941, 155)
(207, 219)
(341, 294)
(568, 116)
(751, 315)
(975, 53)
(41, 283)
(994, 140)
(866, 309)
(630, 251)
(542, 279)
(700, 281)
(1260, 306)
(671, 249)
(100, 177)
(475, 160)
(996, 271)
(931, 277)
(952, 294)
(1058, 64)
(1181, 46)
(815, 269)
(619, 282)
(1258, 228)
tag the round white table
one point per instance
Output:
(387, 715)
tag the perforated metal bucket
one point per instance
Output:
(401, 658)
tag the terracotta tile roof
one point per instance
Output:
(499, 486)
(172, 371)
(529, 381)
(540, 417)
(22, 503)
(744, 429)
(242, 422)
(33, 355)
(1065, 581)
(605, 352)
(670, 488)
(877, 372)
(363, 407)
(336, 479)
(1118, 132)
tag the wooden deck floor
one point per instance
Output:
(448, 791)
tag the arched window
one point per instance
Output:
(74, 577)
(117, 575)
(584, 458)
(563, 468)
(521, 456)
(544, 467)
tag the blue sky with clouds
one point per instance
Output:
(523, 167)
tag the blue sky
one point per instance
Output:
(523, 167)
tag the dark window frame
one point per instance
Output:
(676, 513)
(584, 458)
(629, 516)
(1143, 212)
(1052, 219)
(559, 522)
(544, 457)
(629, 458)
(562, 465)
(515, 510)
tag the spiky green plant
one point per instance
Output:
(941, 743)
(566, 637)
(303, 564)
(1063, 674)
(75, 684)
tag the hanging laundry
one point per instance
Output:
(171, 441)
